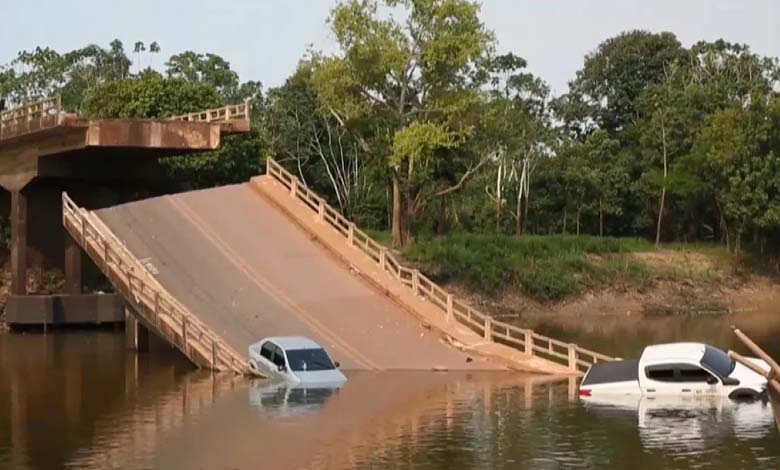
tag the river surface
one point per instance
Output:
(79, 400)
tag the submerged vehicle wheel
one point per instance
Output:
(744, 394)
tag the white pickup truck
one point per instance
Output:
(688, 369)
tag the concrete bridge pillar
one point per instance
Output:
(73, 282)
(136, 334)
(18, 242)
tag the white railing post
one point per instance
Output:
(450, 312)
(321, 210)
(415, 281)
(268, 161)
(351, 233)
(382, 257)
(294, 188)
(529, 342)
(572, 356)
(488, 329)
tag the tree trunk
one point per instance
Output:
(663, 189)
(519, 215)
(738, 242)
(565, 216)
(660, 217)
(579, 211)
(601, 218)
(399, 222)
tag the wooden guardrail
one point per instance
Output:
(231, 112)
(153, 305)
(30, 117)
(525, 340)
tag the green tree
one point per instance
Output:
(618, 71)
(43, 73)
(408, 93)
(208, 69)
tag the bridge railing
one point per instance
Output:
(30, 117)
(156, 308)
(231, 112)
(526, 340)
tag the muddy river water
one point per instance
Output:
(77, 399)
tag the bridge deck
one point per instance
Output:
(247, 271)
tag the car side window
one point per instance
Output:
(693, 374)
(662, 373)
(278, 356)
(267, 351)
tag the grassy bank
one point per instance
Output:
(549, 268)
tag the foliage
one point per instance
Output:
(408, 93)
(148, 95)
(546, 268)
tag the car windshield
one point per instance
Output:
(309, 360)
(717, 361)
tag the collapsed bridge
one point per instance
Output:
(214, 270)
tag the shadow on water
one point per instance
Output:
(79, 400)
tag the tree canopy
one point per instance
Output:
(418, 124)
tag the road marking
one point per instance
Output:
(265, 285)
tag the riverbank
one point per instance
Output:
(514, 277)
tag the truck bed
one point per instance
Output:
(610, 372)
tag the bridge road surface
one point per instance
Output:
(248, 271)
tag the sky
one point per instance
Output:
(264, 39)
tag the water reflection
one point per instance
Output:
(285, 400)
(79, 401)
(687, 425)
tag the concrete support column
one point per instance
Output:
(73, 283)
(18, 242)
(136, 334)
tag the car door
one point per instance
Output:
(267, 351)
(280, 363)
(696, 381)
(660, 379)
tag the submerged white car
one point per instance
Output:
(294, 359)
(687, 369)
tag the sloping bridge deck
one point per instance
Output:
(238, 263)
(215, 270)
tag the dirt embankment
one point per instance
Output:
(689, 283)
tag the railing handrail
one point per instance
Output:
(231, 112)
(148, 294)
(532, 343)
(30, 117)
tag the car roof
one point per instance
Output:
(293, 342)
(692, 351)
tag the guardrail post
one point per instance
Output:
(156, 308)
(450, 313)
(382, 256)
(572, 356)
(488, 329)
(294, 188)
(268, 161)
(529, 342)
(415, 281)
(351, 234)
(184, 334)
(321, 210)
